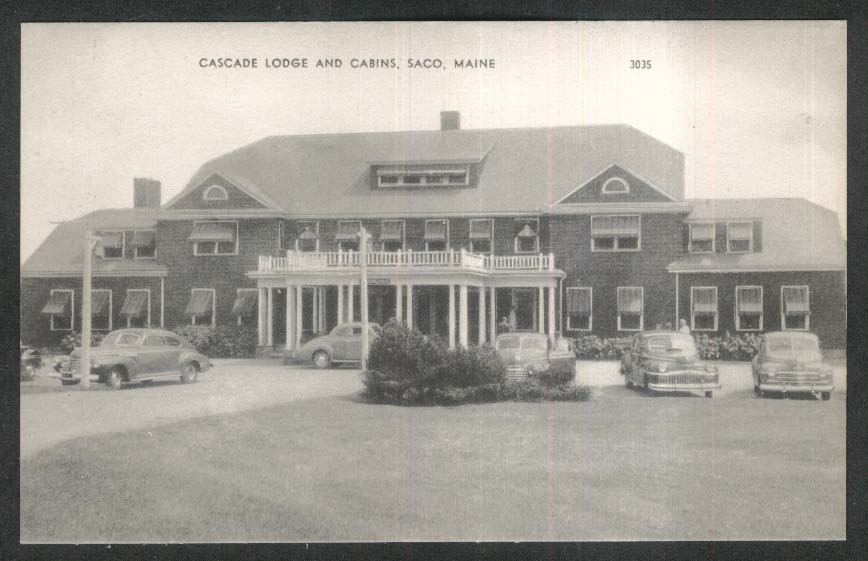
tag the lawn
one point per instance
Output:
(622, 466)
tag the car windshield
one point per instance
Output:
(524, 343)
(505, 343)
(671, 343)
(793, 346)
(121, 339)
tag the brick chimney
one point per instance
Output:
(450, 120)
(146, 193)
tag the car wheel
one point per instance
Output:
(825, 396)
(709, 394)
(645, 382)
(114, 379)
(189, 373)
(628, 383)
(321, 359)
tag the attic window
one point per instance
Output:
(215, 193)
(615, 185)
(420, 177)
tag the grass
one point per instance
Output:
(622, 466)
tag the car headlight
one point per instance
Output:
(710, 368)
(536, 368)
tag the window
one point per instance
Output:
(215, 193)
(703, 308)
(615, 185)
(419, 177)
(215, 238)
(201, 306)
(526, 235)
(630, 308)
(172, 341)
(392, 235)
(795, 308)
(112, 245)
(153, 341)
(615, 233)
(481, 235)
(748, 308)
(579, 308)
(306, 237)
(245, 307)
(702, 237)
(145, 244)
(436, 235)
(60, 306)
(348, 234)
(739, 237)
(101, 309)
(137, 307)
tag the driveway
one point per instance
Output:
(52, 413)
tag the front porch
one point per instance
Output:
(460, 296)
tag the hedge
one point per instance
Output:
(224, 341)
(73, 340)
(741, 346)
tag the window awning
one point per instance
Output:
(579, 302)
(135, 304)
(480, 230)
(144, 238)
(245, 303)
(796, 301)
(200, 303)
(348, 231)
(615, 225)
(705, 301)
(213, 232)
(435, 230)
(307, 233)
(99, 302)
(741, 230)
(750, 301)
(630, 300)
(701, 232)
(112, 239)
(58, 304)
(526, 232)
(392, 231)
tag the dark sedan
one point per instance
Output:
(791, 362)
(667, 361)
(534, 354)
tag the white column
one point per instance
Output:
(451, 316)
(399, 303)
(552, 310)
(298, 319)
(340, 304)
(482, 329)
(269, 325)
(493, 314)
(462, 315)
(540, 305)
(290, 317)
(350, 303)
(410, 306)
(260, 317)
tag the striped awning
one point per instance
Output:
(702, 232)
(435, 230)
(135, 304)
(615, 225)
(705, 300)
(213, 232)
(796, 300)
(144, 238)
(480, 230)
(393, 230)
(348, 231)
(245, 303)
(200, 303)
(112, 239)
(740, 230)
(99, 302)
(579, 301)
(630, 300)
(750, 300)
(58, 304)
(526, 232)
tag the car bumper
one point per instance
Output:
(72, 377)
(796, 388)
(685, 387)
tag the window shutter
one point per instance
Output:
(685, 236)
(720, 237)
(757, 236)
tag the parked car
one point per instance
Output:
(137, 355)
(791, 362)
(31, 362)
(527, 354)
(667, 361)
(342, 345)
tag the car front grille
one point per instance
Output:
(72, 367)
(796, 378)
(516, 373)
(686, 377)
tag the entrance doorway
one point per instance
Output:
(518, 306)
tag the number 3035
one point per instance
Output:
(640, 64)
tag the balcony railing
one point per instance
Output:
(462, 259)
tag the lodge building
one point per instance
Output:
(569, 230)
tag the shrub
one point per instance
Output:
(474, 366)
(73, 340)
(225, 341)
(557, 375)
(592, 347)
(196, 335)
(532, 390)
(739, 346)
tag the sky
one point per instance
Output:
(757, 108)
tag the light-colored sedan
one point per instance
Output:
(342, 346)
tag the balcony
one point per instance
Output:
(424, 260)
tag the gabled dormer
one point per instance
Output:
(616, 184)
(217, 192)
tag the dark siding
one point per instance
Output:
(757, 236)
(639, 190)
(720, 234)
(237, 197)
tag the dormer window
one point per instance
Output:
(702, 237)
(215, 193)
(615, 186)
(417, 176)
(740, 237)
(112, 245)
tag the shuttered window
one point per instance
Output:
(616, 233)
(748, 308)
(630, 308)
(703, 308)
(579, 308)
(795, 308)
